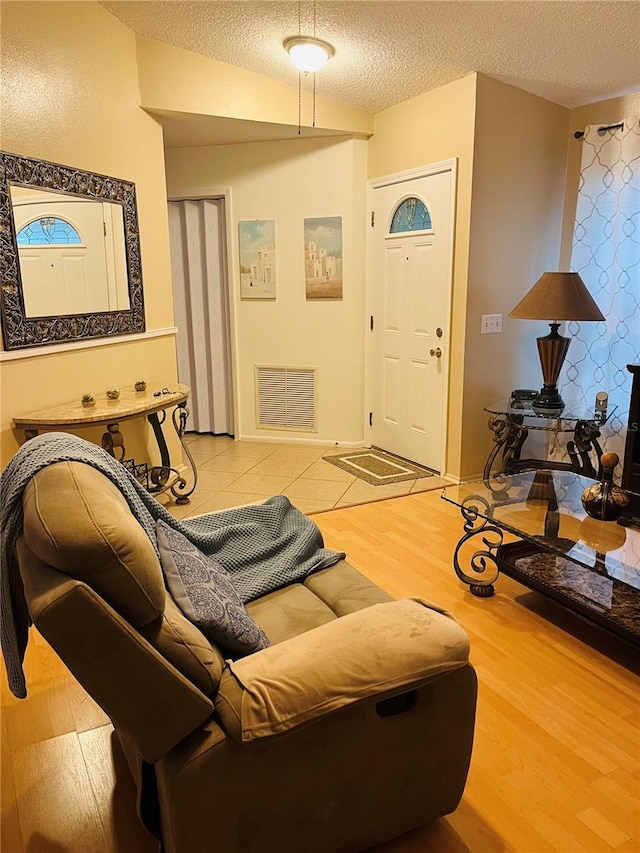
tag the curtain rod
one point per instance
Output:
(580, 133)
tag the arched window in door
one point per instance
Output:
(410, 215)
(48, 231)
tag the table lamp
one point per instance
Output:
(556, 296)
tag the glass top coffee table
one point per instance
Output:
(533, 528)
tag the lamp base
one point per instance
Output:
(548, 400)
(552, 350)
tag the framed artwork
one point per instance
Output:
(323, 257)
(257, 249)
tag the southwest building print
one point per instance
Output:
(257, 243)
(323, 257)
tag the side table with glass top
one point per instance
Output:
(510, 421)
(533, 528)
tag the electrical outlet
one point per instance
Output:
(491, 324)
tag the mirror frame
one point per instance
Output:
(20, 331)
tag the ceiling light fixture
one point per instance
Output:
(308, 54)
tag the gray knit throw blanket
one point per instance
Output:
(264, 547)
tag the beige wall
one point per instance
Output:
(288, 181)
(516, 215)
(511, 149)
(602, 112)
(435, 126)
(70, 95)
(182, 81)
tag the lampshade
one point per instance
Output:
(308, 54)
(558, 296)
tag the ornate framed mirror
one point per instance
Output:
(69, 254)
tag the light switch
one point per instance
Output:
(491, 324)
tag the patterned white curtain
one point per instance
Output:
(606, 253)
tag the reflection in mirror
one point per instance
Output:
(69, 253)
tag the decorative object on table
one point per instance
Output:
(524, 394)
(257, 249)
(604, 500)
(113, 393)
(140, 385)
(556, 296)
(323, 257)
(600, 407)
(88, 400)
(522, 398)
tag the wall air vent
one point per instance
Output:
(286, 398)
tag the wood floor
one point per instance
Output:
(556, 763)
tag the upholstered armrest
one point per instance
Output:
(376, 652)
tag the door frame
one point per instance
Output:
(372, 185)
(208, 194)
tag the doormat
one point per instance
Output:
(377, 467)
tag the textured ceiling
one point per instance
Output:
(571, 52)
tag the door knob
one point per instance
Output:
(437, 352)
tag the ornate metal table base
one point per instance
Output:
(510, 434)
(113, 439)
(484, 559)
(159, 476)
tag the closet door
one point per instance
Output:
(201, 306)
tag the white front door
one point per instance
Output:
(60, 278)
(411, 280)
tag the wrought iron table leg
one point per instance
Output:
(113, 438)
(159, 474)
(484, 559)
(179, 418)
(509, 434)
(585, 441)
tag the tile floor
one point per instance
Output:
(232, 473)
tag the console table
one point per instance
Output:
(510, 422)
(592, 567)
(151, 403)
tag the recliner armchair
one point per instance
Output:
(353, 727)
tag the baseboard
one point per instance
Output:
(296, 439)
